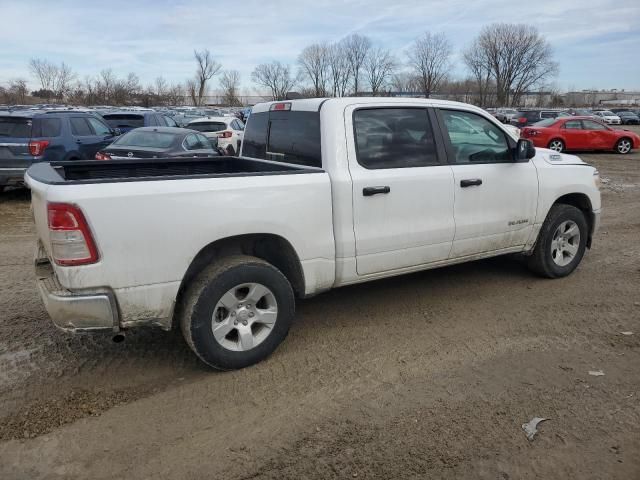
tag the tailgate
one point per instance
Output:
(39, 209)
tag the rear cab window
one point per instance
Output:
(284, 136)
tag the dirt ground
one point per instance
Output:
(429, 375)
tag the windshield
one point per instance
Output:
(208, 126)
(608, 113)
(124, 121)
(136, 138)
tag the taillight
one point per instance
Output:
(71, 239)
(522, 120)
(36, 147)
(224, 135)
(103, 156)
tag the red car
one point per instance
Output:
(579, 133)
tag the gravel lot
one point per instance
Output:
(428, 375)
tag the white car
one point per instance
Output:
(229, 130)
(608, 117)
(326, 193)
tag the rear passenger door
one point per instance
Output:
(402, 191)
(86, 141)
(495, 197)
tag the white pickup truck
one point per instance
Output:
(326, 193)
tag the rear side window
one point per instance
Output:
(124, 121)
(47, 127)
(394, 138)
(15, 127)
(287, 136)
(196, 142)
(80, 127)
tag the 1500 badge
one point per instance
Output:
(518, 222)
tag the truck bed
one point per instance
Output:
(111, 171)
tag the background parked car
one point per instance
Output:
(228, 130)
(158, 142)
(580, 133)
(608, 117)
(628, 118)
(128, 120)
(528, 117)
(505, 114)
(28, 136)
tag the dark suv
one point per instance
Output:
(28, 136)
(128, 120)
(528, 117)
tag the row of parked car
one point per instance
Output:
(524, 117)
(54, 134)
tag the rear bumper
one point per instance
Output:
(12, 176)
(75, 312)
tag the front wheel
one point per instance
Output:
(561, 243)
(556, 145)
(623, 146)
(236, 312)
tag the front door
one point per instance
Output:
(495, 197)
(598, 135)
(402, 191)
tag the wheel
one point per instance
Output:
(236, 312)
(623, 146)
(561, 242)
(557, 145)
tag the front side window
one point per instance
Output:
(195, 142)
(394, 138)
(99, 127)
(591, 125)
(80, 127)
(170, 121)
(474, 139)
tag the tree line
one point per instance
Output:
(501, 64)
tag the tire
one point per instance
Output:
(543, 261)
(201, 310)
(624, 146)
(556, 145)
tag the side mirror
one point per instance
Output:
(116, 132)
(524, 150)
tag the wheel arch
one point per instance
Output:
(583, 203)
(271, 248)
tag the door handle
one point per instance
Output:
(369, 191)
(470, 182)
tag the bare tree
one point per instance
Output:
(339, 69)
(429, 59)
(17, 91)
(160, 87)
(175, 94)
(230, 84)
(192, 91)
(378, 66)
(517, 58)
(357, 47)
(314, 64)
(405, 82)
(274, 76)
(206, 69)
(55, 81)
(481, 71)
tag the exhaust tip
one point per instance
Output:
(118, 338)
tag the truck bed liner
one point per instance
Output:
(113, 171)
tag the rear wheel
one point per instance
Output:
(623, 146)
(557, 145)
(236, 312)
(561, 243)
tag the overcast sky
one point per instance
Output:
(596, 42)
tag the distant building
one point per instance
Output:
(594, 98)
